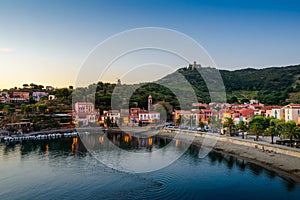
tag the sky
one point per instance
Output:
(47, 41)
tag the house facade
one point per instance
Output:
(85, 113)
(292, 112)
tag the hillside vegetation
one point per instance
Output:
(271, 86)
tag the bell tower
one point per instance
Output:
(149, 102)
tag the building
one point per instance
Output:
(37, 95)
(246, 115)
(85, 114)
(134, 115)
(18, 94)
(239, 114)
(277, 112)
(205, 115)
(112, 115)
(253, 101)
(183, 114)
(51, 97)
(149, 117)
(200, 105)
(49, 88)
(4, 97)
(194, 66)
(19, 97)
(140, 116)
(292, 112)
(5, 94)
(149, 102)
(272, 111)
(124, 115)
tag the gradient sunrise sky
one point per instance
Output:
(46, 41)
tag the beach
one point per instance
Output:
(281, 159)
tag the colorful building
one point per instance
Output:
(292, 112)
(85, 113)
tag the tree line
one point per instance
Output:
(265, 126)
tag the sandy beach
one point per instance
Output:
(260, 153)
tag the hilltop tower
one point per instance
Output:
(194, 66)
(149, 102)
(119, 82)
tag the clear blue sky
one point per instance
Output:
(45, 41)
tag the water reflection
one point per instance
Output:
(63, 145)
(74, 146)
(233, 162)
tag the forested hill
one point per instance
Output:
(276, 85)
(272, 86)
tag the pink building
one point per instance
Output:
(85, 113)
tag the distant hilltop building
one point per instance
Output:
(49, 88)
(194, 66)
(119, 82)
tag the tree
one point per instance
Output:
(33, 86)
(274, 128)
(229, 123)
(243, 127)
(233, 99)
(201, 125)
(6, 109)
(215, 123)
(42, 108)
(179, 120)
(258, 125)
(290, 130)
(108, 122)
(245, 100)
(41, 87)
(25, 85)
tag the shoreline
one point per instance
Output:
(282, 160)
(284, 165)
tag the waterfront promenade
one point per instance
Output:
(282, 159)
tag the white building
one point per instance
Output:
(149, 116)
(113, 115)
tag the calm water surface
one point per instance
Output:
(63, 169)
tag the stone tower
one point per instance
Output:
(149, 102)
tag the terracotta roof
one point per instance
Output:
(294, 105)
(247, 111)
(206, 110)
(271, 107)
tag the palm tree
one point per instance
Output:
(179, 120)
(201, 125)
(290, 130)
(215, 123)
(275, 128)
(258, 125)
(243, 127)
(229, 123)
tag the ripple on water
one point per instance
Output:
(162, 185)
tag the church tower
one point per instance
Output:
(149, 102)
